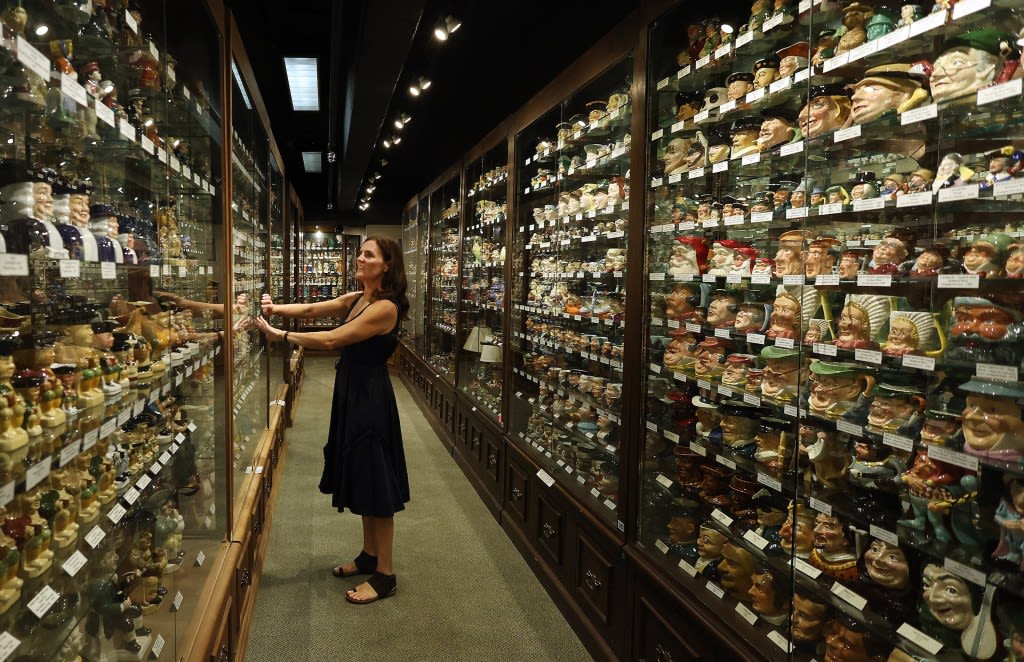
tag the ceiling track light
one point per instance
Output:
(402, 120)
(448, 28)
(376, 175)
(386, 143)
(420, 85)
(396, 139)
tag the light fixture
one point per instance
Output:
(302, 82)
(364, 206)
(42, 30)
(312, 161)
(726, 28)
(383, 162)
(370, 188)
(451, 24)
(420, 85)
(386, 143)
(376, 175)
(402, 120)
(241, 87)
(395, 139)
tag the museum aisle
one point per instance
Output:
(465, 592)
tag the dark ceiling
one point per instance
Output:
(503, 54)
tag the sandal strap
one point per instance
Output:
(365, 563)
(382, 585)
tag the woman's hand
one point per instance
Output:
(273, 334)
(267, 304)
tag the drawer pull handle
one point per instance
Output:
(517, 494)
(663, 655)
(591, 580)
(246, 578)
(492, 459)
(549, 531)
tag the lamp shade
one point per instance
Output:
(490, 354)
(477, 335)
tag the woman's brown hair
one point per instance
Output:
(393, 284)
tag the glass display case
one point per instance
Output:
(279, 277)
(569, 287)
(832, 361)
(482, 309)
(321, 271)
(445, 209)
(413, 258)
(419, 324)
(250, 220)
(111, 462)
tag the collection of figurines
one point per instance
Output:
(100, 403)
(834, 348)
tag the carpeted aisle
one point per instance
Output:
(464, 592)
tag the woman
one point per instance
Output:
(364, 464)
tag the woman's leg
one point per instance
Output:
(369, 546)
(382, 532)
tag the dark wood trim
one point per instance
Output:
(241, 57)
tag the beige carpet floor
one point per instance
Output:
(464, 591)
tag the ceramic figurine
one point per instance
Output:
(861, 320)
(710, 355)
(744, 133)
(739, 425)
(1015, 261)
(911, 332)
(709, 551)
(840, 390)
(751, 317)
(797, 531)
(793, 58)
(887, 88)
(785, 319)
(828, 459)
(833, 549)
(970, 61)
(1009, 517)
(824, 46)
(848, 640)
(735, 373)
(807, 621)
(984, 332)
(872, 473)
(986, 255)
(782, 373)
(688, 104)
(951, 611)
(886, 579)
(820, 258)
(855, 18)
(709, 421)
(778, 128)
(735, 571)
(738, 84)
(790, 254)
(992, 419)
(827, 109)
(769, 595)
(675, 155)
(766, 71)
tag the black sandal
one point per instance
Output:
(365, 564)
(383, 585)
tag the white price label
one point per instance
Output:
(779, 85)
(793, 279)
(70, 452)
(90, 439)
(874, 280)
(751, 159)
(869, 204)
(13, 264)
(104, 113)
(74, 563)
(821, 506)
(755, 95)
(914, 199)
(158, 645)
(200, 558)
(744, 39)
(698, 449)
(675, 177)
(801, 75)
(34, 60)
(147, 145)
(780, 640)
(955, 193)
(897, 36)
(70, 269)
(849, 428)
(963, 460)
(886, 536)
(929, 112)
(131, 496)
(912, 634)
(95, 536)
(761, 217)
(835, 62)
(755, 539)
(662, 84)
(178, 599)
(1000, 373)
(846, 134)
(784, 343)
(108, 428)
(919, 362)
(829, 209)
(702, 116)
(755, 338)
(770, 481)
(970, 574)
(671, 436)
(154, 271)
(70, 87)
(661, 546)
(131, 22)
(965, 7)
(849, 596)
(723, 51)
(806, 568)
(721, 517)
(898, 441)
(716, 590)
(126, 129)
(695, 173)
(687, 568)
(545, 478)
(727, 106)
(108, 270)
(824, 349)
(116, 513)
(143, 482)
(725, 391)
(745, 613)
(684, 72)
(42, 601)
(37, 472)
(868, 355)
(792, 148)
(1009, 187)
(721, 166)
(959, 281)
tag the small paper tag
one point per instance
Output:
(687, 568)
(721, 517)
(108, 270)
(116, 513)
(755, 95)
(849, 596)
(95, 536)
(869, 204)
(70, 269)
(725, 462)
(824, 349)
(178, 599)
(970, 574)
(32, 58)
(914, 199)
(793, 279)
(846, 134)
(884, 535)
(963, 460)
(37, 472)
(545, 478)
(929, 112)
(868, 355)
(108, 428)
(928, 23)
(965, 192)
(42, 601)
(751, 159)
(90, 439)
(780, 640)
(74, 563)
(779, 85)
(1009, 187)
(721, 166)
(770, 481)
(784, 343)
(821, 506)
(874, 280)
(755, 539)
(69, 452)
(959, 281)
(698, 449)
(915, 636)
(1000, 373)
(897, 36)
(898, 441)
(965, 7)
(755, 338)
(745, 613)
(158, 646)
(715, 590)
(829, 209)
(849, 428)
(919, 362)
(761, 217)
(806, 568)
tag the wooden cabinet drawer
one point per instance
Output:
(492, 448)
(594, 574)
(517, 491)
(550, 532)
(657, 639)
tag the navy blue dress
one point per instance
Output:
(364, 462)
